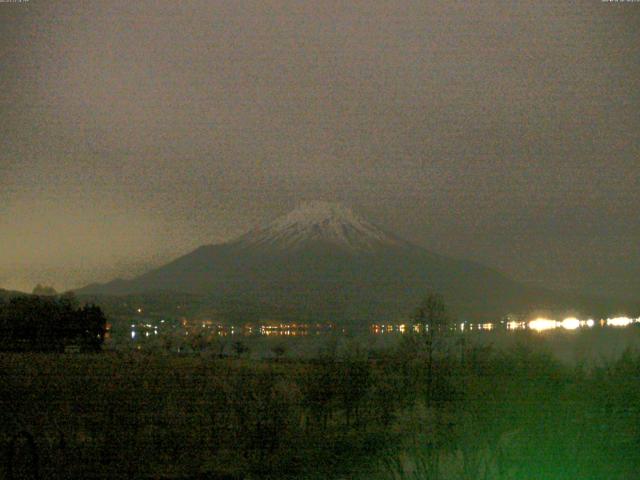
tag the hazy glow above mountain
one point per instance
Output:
(318, 212)
(320, 222)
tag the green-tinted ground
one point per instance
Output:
(515, 413)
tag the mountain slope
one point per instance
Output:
(325, 262)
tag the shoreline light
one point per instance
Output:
(542, 324)
(619, 321)
(515, 325)
(570, 323)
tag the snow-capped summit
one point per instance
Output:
(317, 222)
(318, 212)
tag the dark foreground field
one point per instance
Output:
(470, 413)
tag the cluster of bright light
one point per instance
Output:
(515, 325)
(570, 323)
(620, 321)
(541, 324)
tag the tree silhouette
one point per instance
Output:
(279, 350)
(46, 323)
(44, 290)
(432, 315)
(433, 322)
(239, 348)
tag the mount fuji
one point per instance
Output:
(314, 224)
(324, 262)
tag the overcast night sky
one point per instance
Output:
(502, 132)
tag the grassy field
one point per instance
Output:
(474, 413)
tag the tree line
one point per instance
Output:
(50, 324)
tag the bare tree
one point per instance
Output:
(433, 322)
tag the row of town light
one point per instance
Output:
(537, 325)
(572, 323)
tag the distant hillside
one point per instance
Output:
(164, 304)
(6, 294)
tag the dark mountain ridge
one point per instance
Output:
(325, 262)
